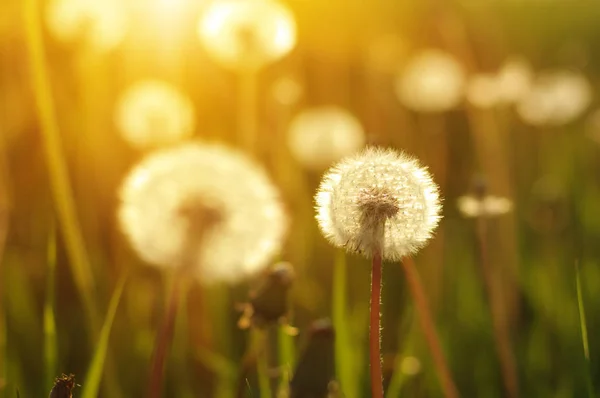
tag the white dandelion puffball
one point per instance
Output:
(102, 24)
(556, 98)
(320, 136)
(247, 34)
(514, 80)
(152, 113)
(482, 90)
(203, 206)
(432, 81)
(378, 199)
(488, 206)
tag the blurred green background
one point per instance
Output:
(348, 54)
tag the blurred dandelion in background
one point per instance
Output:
(100, 24)
(386, 179)
(487, 206)
(205, 205)
(320, 136)
(556, 98)
(247, 35)
(431, 81)
(153, 113)
(410, 366)
(286, 91)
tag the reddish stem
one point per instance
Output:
(163, 340)
(375, 328)
(426, 321)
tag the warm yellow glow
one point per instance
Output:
(102, 24)
(247, 34)
(153, 113)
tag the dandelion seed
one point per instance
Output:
(378, 199)
(320, 136)
(102, 24)
(154, 113)
(247, 34)
(487, 206)
(432, 81)
(205, 206)
(556, 98)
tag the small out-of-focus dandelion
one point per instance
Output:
(383, 204)
(378, 199)
(269, 301)
(320, 136)
(482, 90)
(487, 206)
(101, 24)
(410, 365)
(432, 81)
(247, 35)
(152, 113)
(63, 387)
(509, 85)
(203, 206)
(556, 98)
(514, 79)
(286, 91)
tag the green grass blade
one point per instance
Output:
(94, 374)
(584, 333)
(260, 345)
(286, 355)
(50, 344)
(340, 324)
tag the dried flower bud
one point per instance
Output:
(379, 199)
(63, 387)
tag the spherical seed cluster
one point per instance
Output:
(153, 113)
(379, 199)
(247, 34)
(205, 207)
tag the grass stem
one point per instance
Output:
(426, 321)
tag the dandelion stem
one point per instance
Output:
(375, 327)
(164, 337)
(422, 306)
(501, 334)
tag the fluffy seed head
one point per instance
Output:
(205, 207)
(378, 199)
(154, 113)
(247, 34)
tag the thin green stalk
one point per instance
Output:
(260, 344)
(584, 334)
(375, 327)
(286, 354)
(398, 377)
(94, 374)
(50, 344)
(57, 168)
(343, 352)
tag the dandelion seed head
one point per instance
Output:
(203, 206)
(320, 136)
(286, 91)
(378, 199)
(482, 90)
(153, 113)
(432, 81)
(556, 98)
(101, 24)
(514, 79)
(247, 34)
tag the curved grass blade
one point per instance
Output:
(50, 346)
(94, 375)
(584, 333)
